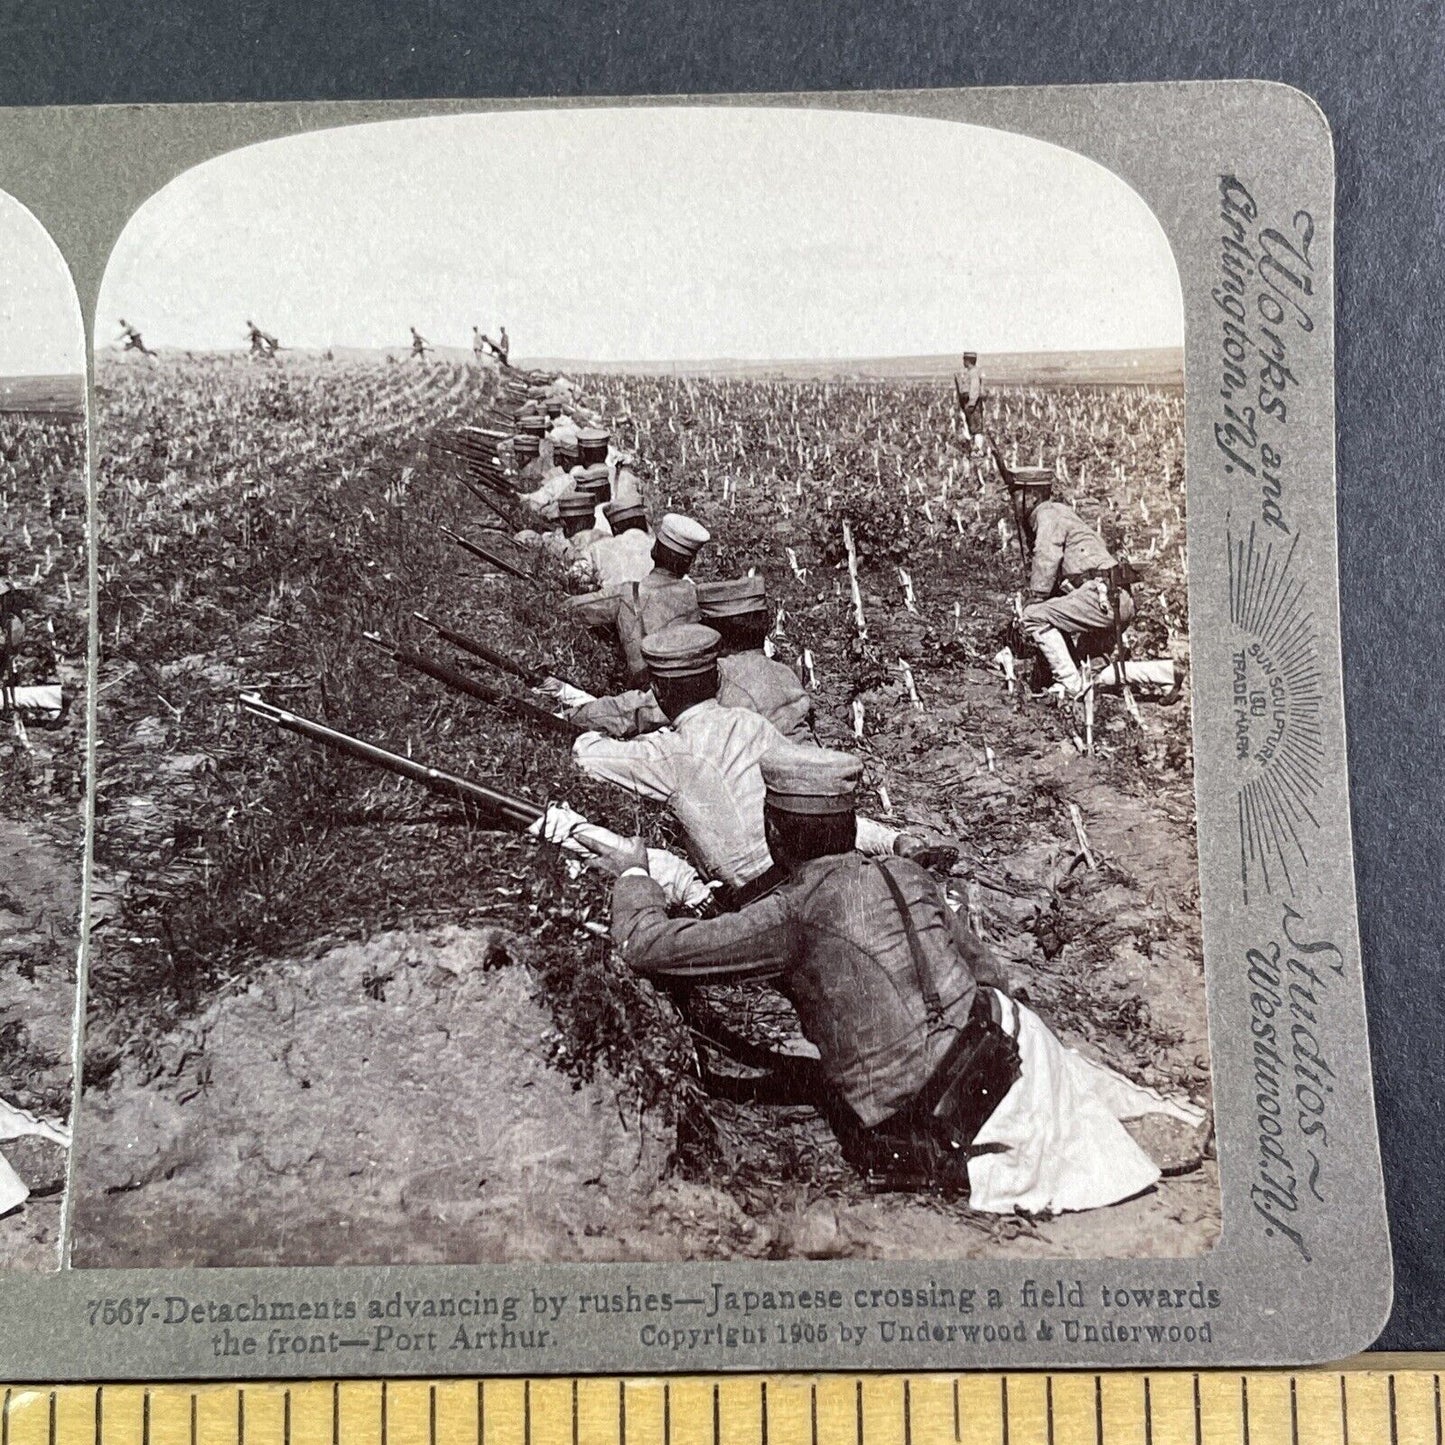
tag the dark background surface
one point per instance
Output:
(1378, 71)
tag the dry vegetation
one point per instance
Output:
(256, 520)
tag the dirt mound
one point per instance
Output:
(397, 1088)
(401, 1090)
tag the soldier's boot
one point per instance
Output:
(1050, 642)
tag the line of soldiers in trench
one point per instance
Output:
(933, 1075)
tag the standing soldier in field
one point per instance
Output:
(419, 345)
(968, 390)
(132, 339)
(1075, 587)
(479, 345)
(633, 611)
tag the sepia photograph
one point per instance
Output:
(43, 641)
(643, 703)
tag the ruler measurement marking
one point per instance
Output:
(1400, 1407)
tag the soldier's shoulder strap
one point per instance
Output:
(932, 1003)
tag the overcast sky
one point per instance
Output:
(657, 234)
(40, 332)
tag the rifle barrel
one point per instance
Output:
(530, 675)
(514, 812)
(488, 501)
(483, 555)
(472, 687)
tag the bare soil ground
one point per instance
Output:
(403, 1037)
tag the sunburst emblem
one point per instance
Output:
(1276, 697)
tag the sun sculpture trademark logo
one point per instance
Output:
(1275, 703)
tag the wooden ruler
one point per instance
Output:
(1389, 1400)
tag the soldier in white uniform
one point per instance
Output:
(705, 768)
(632, 611)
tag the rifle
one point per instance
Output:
(494, 809)
(530, 675)
(487, 501)
(460, 682)
(1013, 501)
(483, 555)
(1117, 573)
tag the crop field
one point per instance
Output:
(42, 785)
(274, 926)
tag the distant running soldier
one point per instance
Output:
(132, 339)
(263, 345)
(968, 389)
(1075, 587)
(500, 347)
(419, 345)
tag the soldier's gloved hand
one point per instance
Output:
(678, 879)
(612, 853)
(563, 692)
(557, 824)
(939, 857)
